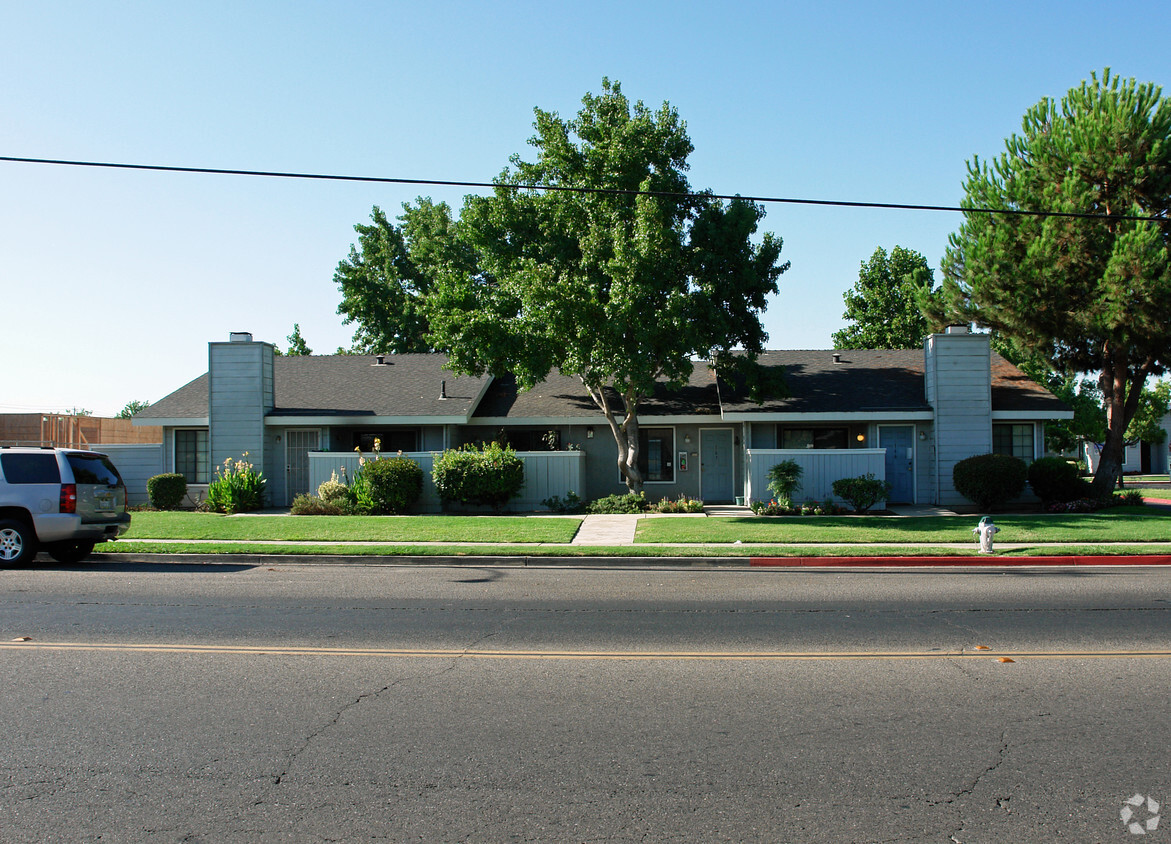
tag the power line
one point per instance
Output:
(835, 203)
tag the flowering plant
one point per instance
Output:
(237, 487)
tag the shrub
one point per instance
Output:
(682, 504)
(389, 485)
(333, 490)
(471, 475)
(237, 488)
(310, 505)
(863, 492)
(784, 479)
(166, 491)
(631, 502)
(1130, 498)
(572, 503)
(1056, 480)
(990, 480)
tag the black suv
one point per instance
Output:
(59, 499)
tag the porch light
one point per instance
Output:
(861, 438)
(589, 433)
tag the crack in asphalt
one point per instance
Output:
(294, 755)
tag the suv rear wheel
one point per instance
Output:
(18, 543)
(70, 552)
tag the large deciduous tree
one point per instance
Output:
(388, 274)
(883, 305)
(622, 278)
(1091, 294)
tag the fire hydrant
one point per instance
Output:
(984, 533)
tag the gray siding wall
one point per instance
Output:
(240, 393)
(924, 464)
(959, 389)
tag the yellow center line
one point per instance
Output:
(442, 653)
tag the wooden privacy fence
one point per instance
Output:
(547, 473)
(821, 467)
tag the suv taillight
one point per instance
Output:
(68, 498)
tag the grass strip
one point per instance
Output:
(1120, 524)
(510, 529)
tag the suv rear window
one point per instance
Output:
(30, 468)
(93, 469)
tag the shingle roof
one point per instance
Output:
(875, 380)
(350, 385)
(561, 396)
(872, 380)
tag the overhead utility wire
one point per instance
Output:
(839, 203)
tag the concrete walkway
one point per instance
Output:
(607, 530)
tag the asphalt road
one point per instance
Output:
(318, 703)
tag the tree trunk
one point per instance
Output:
(625, 435)
(1121, 396)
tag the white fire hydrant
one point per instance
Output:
(984, 533)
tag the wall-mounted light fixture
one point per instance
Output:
(861, 438)
(923, 435)
(687, 438)
(589, 433)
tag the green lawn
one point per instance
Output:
(510, 529)
(1152, 492)
(1121, 524)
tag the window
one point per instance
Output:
(191, 455)
(93, 469)
(532, 439)
(655, 447)
(392, 441)
(30, 468)
(813, 438)
(1016, 440)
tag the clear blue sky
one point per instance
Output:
(114, 282)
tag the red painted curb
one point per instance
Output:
(1000, 562)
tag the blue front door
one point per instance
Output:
(716, 475)
(899, 442)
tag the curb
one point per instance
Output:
(797, 562)
(969, 562)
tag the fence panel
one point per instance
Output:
(547, 473)
(821, 467)
(136, 464)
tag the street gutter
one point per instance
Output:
(796, 562)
